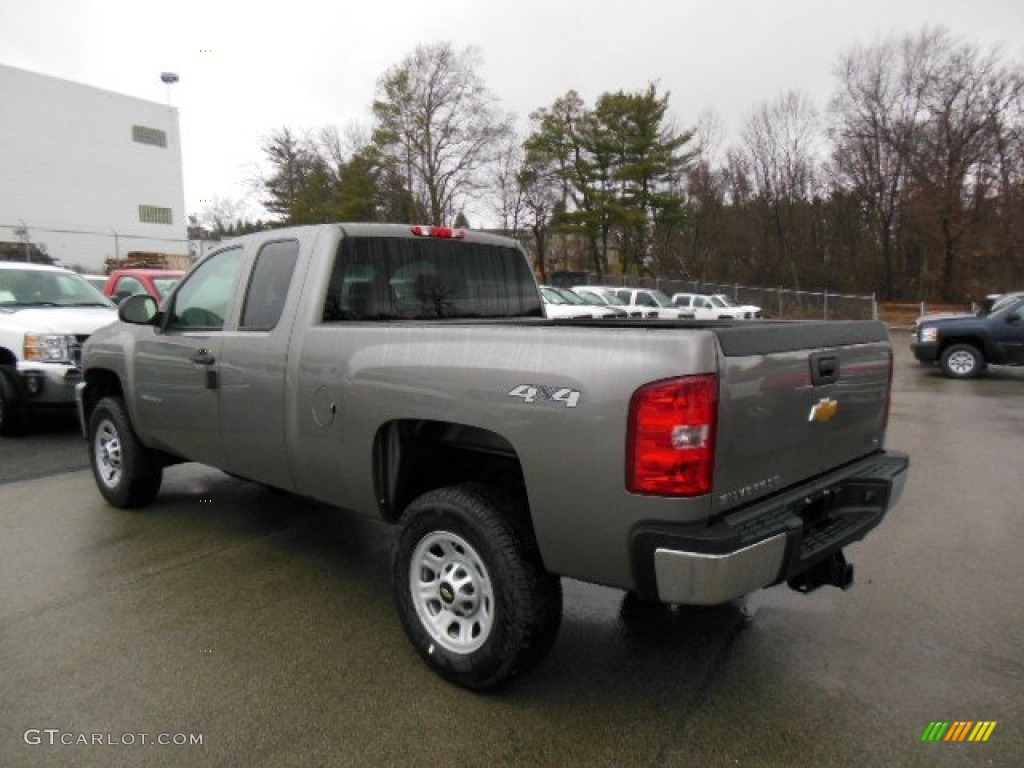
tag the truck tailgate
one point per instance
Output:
(797, 400)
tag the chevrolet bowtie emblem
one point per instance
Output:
(824, 410)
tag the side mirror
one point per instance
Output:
(140, 309)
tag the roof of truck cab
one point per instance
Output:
(147, 272)
(360, 229)
(376, 229)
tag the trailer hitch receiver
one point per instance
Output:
(833, 571)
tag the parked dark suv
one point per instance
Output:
(965, 346)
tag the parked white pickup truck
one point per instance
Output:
(46, 314)
(642, 302)
(714, 307)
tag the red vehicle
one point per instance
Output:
(158, 283)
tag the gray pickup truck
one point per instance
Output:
(408, 373)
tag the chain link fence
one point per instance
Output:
(85, 249)
(95, 250)
(782, 303)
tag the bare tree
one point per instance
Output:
(924, 130)
(540, 187)
(1009, 165)
(510, 201)
(872, 120)
(954, 150)
(437, 126)
(705, 188)
(221, 216)
(782, 142)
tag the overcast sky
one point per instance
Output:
(248, 68)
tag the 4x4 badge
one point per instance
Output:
(824, 410)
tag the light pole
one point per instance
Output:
(169, 79)
(117, 248)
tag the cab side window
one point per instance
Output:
(203, 299)
(128, 286)
(268, 286)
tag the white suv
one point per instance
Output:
(46, 314)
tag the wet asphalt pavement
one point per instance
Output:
(262, 626)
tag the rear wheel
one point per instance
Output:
(470, 588)
(128, 474)
(962, 361)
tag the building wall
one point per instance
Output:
(74, 173)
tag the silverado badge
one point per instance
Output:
(824, 410)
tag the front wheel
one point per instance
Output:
(13, 416)
(470, 588)
(962, 361)
(128, 474)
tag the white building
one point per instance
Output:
(88, 174)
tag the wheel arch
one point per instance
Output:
(101, 382)
(413, 456)
(977, 342)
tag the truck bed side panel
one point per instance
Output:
(356, 377)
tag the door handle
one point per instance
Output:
(205, 358)
(824, 369)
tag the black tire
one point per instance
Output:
(962, 361)
(13, 414)
(495, 610)
(128, 474)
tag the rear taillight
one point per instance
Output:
(670, 448)
(440, 232)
